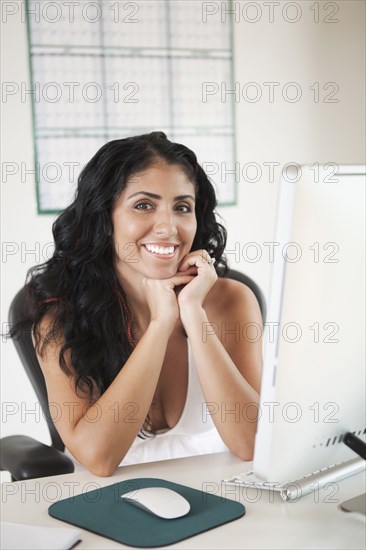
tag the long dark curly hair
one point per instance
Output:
(78, 287)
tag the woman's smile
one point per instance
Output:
(162, 251)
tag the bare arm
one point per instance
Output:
(229, 366)
(229, 361)
(99, 434)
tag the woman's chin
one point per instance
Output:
(162, 272)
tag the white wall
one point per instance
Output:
(304, 52)
(302, 132)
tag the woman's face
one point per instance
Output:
(154, 222)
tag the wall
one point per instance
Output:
(279, 131)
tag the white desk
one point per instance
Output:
(313, 522)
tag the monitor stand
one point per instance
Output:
(355, 504)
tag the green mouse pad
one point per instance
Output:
(103, 512)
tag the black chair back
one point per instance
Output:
(28, 357)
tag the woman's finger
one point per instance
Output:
(191, 270)
(199, 259)
(182, 279)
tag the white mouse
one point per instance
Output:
(160, 501)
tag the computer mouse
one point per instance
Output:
(159, 501)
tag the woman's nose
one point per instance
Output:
(165, 225)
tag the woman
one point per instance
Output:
(132, 325)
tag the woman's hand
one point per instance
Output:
(193, 294)
(162, 299)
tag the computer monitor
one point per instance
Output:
(313, 384)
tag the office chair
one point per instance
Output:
(27, 458)
(23, 456)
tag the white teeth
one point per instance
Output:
(160, 249)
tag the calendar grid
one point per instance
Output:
(169, 65)
(94, 83)
(102, 59)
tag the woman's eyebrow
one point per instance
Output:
(158, 197)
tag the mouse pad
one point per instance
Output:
(103, 512)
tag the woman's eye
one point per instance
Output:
(143, 206)
(184, 208)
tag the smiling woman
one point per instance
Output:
(119, 311)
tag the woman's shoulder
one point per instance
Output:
(46, 333)
(230, 300)
(227, 295)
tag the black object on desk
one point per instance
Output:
(356, 444)
(358, 503)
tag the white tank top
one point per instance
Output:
(194, 433)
